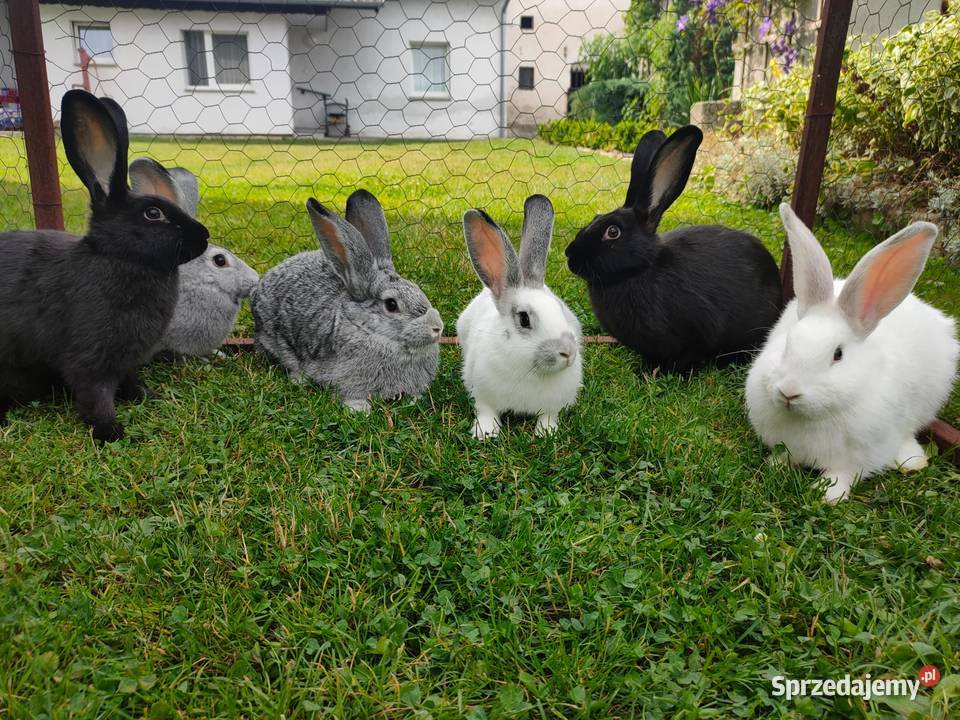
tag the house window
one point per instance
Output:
(431, 70)
(526, 78)
(96, 40)
(226, 53)
(526, 22)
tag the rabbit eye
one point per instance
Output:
(154, 214)
(612, 233)
(391, 305)
(524, 319)
(220, 260)
(838, 354)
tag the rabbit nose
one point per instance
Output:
(788, 396)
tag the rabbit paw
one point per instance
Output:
(911, 457)
(546, 425)
(299, 378)
(838, 486)
(486, 426)
(107, 432)
(361, 405)
(779, 458)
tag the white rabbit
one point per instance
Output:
(521, 344)
(854, 368)
(212, 286)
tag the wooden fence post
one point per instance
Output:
(34, 90)
(831, 40)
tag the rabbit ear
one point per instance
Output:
(885, 276)
(812, 275)
(188, 190)
(365, 213)
(667, 176)
(95, 141)
(491, 252)
(646, 148)
(148, 177)
(535, 239)
(344, 248)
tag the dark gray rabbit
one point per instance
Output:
(343, 317)
(692, 296)
(212, 286)
(86, 312)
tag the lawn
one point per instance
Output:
(252, 549)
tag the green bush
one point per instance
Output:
(605, 100)
(899, 97)
(594, 134)
(904, 96)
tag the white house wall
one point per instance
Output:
(552, 48)
(364, 59)
(149, 77)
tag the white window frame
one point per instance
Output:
(413, 93)
(212, 84)
(100, 59)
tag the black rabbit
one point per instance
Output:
(695, 295)
(86, 312)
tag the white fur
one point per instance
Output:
(861, 414)
(499, 371)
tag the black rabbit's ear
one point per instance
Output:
(535, 239)
(95, 146)
(492, 255)
(365, 213)
(149, 177)
(344, 248)
(669, 172)
(646, 148)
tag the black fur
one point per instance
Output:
(86, 312)
(695, 295)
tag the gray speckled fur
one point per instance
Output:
(209, 301)
(324, 319)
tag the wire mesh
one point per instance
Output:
(437, 107)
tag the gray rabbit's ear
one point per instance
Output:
(148, 177)
(491, 252)
(365, 213)
(344, 248)
(188, 188)
(535, 239)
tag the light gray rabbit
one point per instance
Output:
(212, 286)
(343, 317)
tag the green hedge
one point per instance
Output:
(900, 97)
(623, 136)
(606, 100)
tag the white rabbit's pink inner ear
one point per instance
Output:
(885, 276)
(487, 252)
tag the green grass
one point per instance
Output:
(251, 549)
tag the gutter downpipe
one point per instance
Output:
(503, 68)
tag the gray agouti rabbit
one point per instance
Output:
(343, 317)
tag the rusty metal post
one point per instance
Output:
(831, 39)
(31, 66)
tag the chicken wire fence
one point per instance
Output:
(437, 107)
